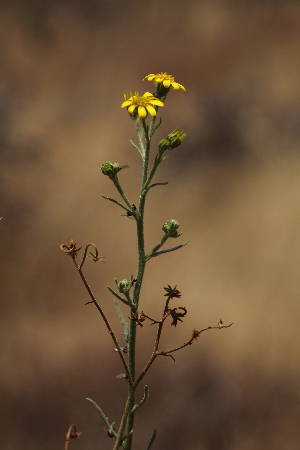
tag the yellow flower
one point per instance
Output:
(166, 80)
(143, 103)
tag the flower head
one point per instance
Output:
(143, 103)
(165, 80)
(110, 169)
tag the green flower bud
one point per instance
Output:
(110, 169)
(175, 138)
(172, 141)
(170, 228)
(123, 286)
(163, 145)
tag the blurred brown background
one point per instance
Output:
(234, 187)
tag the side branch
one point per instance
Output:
(93, 298)
(72, 250)
(72, 434)
(195, 335)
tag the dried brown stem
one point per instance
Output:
(93, 300)
(161, 322)
(195, 335)
(71, 434)
(72, 251)
(95, 257)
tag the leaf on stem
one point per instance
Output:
(109, 425)
(157, 184)
(118, 296)
(122, 320)
(152, 440)
(139, 150)
(116, 202)
(167, 250)
(146, 395)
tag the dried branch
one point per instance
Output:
(176, 316)
(72, 251)
(72, 434)
(195, 335)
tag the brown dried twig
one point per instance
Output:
(176, 315)
(72, 251)
(72, 434)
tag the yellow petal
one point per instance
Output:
(166, 83)
(142, 112)
(151, 110)
(131, 109)
(175, 86)
(127, 103)
(156, 102)
(148, 94)
(149, 77)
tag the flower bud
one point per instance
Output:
(123, 286)
(175, 138)
(110, 169)
(172, 141)
(170, 228)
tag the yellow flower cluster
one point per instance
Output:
(143, 104)
(167, 80)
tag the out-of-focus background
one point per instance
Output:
(234, 187)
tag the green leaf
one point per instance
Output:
(118, 296)
(146, 395)
(152, 440)
(110, 426)
(122, 320)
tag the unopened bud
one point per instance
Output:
(175, 138)
(172, 141)
(110, 169)
(170, 228)
(123, 286)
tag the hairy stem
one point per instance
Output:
(139, 277)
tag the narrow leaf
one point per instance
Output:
(168, 250)
(116, 202)
(139, 150)
(110, 426)
(146, 395)
(152, 440)
(157, 184)
(122, 320)
(118, 296)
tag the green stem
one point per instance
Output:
(140, 273)
(121, 192)
(127, 409)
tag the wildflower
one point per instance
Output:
(165, 80)
(143, 103)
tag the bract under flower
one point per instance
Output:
(167, 81)
(143, 103)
